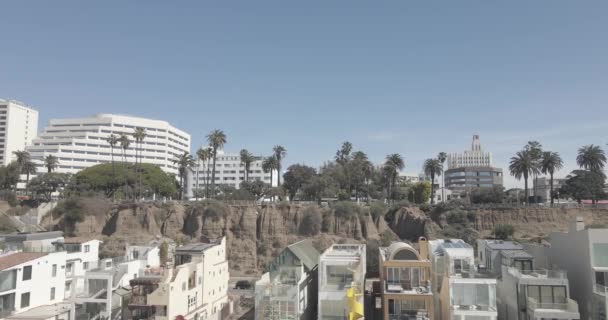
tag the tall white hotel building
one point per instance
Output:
(18, 126)
(81, 143)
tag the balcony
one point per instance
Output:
(568, 309)
(537, 274)
(410, 315)
(406, 287)
(601, 290)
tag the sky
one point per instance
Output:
(408, 77)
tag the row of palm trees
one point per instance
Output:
(123, 142)
(26, 166)
(532, 160)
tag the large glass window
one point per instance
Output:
(7, 303)
(407, 278)
(548, 294)
(406, 308)
(339, 276)
(8, 280)
(467, 294)
(600, 254)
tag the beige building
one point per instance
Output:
(405, 277)
(18, 126)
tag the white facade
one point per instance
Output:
(80, 143)
(476, 157)
(462, 292)
(82, 255)
(342, 266)
(229, 171)
(584, 254)
(29, 280)
(18, 126)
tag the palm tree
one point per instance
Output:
(536, 151)
(442, 157)
(139, 135)
(28, 168)
(269, 164)
(208, 155)
(217, 140)
(523, 165)
(432, 168)
(591, 158)
(184, 162)
(200, 156)
(279, 153)
(51, 162)
(246, 158)
(393, 164)
(113, 141)
(22, 157)
(23, 164)
(124, 145)
(550, 163)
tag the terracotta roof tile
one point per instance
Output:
(18, 258)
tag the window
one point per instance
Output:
(54, 272)
(600, 254)
(27, 273)
(25, 300)
(52, 293)
(85, 265)
(87, 248)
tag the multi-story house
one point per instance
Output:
(32, 241)
(405, 277)
(288, 291)
(341, 282)
(461, 291)
(488, 253)
(525, 292)
(80, 143)
(82, 255)
(18, 126)
(583, 252)
(29, 280)
(196, 287)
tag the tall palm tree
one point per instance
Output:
(442, 157)
(200, 156)
(550, 163)
(393, 164)
(28, 168)
(124, 145)
(217, 140)
(432, 168)
(51, 162)
(139, 135)
(279, 153)
(22, 157)
(208, 155)
(246, 159)
(536, 151)
(523, 165)
(184, 162)
(269, 164)
(23, 164)
(591, 158)
(112, 140)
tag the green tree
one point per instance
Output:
(9, 175)
(311, 221)
(269, 165)
(279, 154)
(139, 135)
(551, 162)
(217, 140)
(591, 158)
(536, 152)
(113, 140)
(523, 165)
(496, 194)
(432, 168)
(22, 157)
(204, 155)
(163, 253)
(584, 185)
(28, 168)
(421, 192)
(184, 162)
(442, 157)
(360, 171)
(46, 184)
(503, 231)
(393, 164)
(246, 159)
(124, 145)
(314, 188)
(256, 187)
(296, 176)
(343, 154)
(25, 165)
(51, 162)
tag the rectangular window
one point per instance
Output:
(85, 265)
(52, 293)
(600, 254)
(54, 272)
(27, 273)
(25, 300)
(87, 248)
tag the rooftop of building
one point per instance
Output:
(195, 247)
(306, 252)
(400, 251)
(502, 245)
(43, 312)
(25, 236)
(451, 247)
(14, 259)
(344, 251)
(516, 254)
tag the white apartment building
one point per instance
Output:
(229, 171)
(29, 280)
(288, 291)
(462, 291)
(82, 255)
(476, 157)
(195, 288)
(82, 142)
(583, 252)
(18, 126)
(342, 269)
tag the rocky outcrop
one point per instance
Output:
(408, 223)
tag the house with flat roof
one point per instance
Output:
(488, 252)
(405, 277)
(461, 292)
(342, 271)
(288, 290)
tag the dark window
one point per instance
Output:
(27, 273)
(25, 300)
(52, 293)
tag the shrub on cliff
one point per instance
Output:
(211, 209)
(311, 221)
(377, 209)
(347, 210)
(503, 231)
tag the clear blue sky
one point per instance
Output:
(412, 77)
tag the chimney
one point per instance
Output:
(577, 224)
(423, 248)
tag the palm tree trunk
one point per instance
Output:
(432, 189)
(113, 173)
(278, 172)
(526, 196)
(213, 172)
(181, 186)
(198, 164)
(124, 155)
(551, 188)
(207, 181)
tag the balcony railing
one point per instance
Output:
(413, 315)
(407, 287)
(539, 273)
(569, 305)
(473, 307)
(601, 289)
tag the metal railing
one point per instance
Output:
(539, 273)
(601, 289)
(424, 287)
(473, 307)
(569, 305)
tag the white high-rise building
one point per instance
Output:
(475, 157)
(82, 142)
(18, 126)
